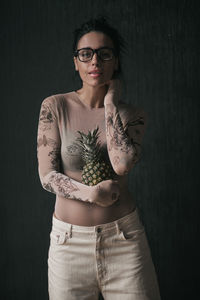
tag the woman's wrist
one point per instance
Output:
(109, 100)
(113, 93)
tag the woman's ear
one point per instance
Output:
(75, 63)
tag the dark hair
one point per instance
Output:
(100, 24)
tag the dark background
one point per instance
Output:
(161, 72)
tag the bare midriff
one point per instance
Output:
(87, 214)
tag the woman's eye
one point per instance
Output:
(85, 54)
(105, 54)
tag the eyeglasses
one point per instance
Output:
(86, 54)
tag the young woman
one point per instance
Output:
(97, 242)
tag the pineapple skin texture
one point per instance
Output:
(95, 172)
(95, 169)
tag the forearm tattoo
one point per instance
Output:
(115, 132)
(122, 147)
(62, 184)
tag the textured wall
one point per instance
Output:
(161, 73)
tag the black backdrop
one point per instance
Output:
(161, 75)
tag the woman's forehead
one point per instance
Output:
(94, 39)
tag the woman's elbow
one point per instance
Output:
(42, 181)
(46, 184)
(123, 170)
(44, 178)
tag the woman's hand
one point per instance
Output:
(113, 93)
(105, 193)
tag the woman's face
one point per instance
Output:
(95, 40)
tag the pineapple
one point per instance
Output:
(95, 169)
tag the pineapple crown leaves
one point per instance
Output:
(90, 138)
(88, 143)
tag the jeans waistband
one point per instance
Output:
(132, 217)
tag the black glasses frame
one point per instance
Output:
(76, 53)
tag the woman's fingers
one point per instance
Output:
(105, 193)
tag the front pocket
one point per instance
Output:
(130, 235)
(58, 237)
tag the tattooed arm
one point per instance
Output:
(49, 163)
(123, 141)
(49, 159)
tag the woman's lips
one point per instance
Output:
(95, 75)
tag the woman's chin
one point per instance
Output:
(97, 83)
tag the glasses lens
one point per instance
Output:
(106, 54)
(85, 54)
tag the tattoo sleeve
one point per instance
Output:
(124, 140)
(49, 158)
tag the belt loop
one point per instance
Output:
(117, 226)
(70, 231)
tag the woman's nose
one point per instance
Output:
(95, 59)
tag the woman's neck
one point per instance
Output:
(93, 96)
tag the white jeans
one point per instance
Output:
(113, 258)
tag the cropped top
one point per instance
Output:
(60, 163)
